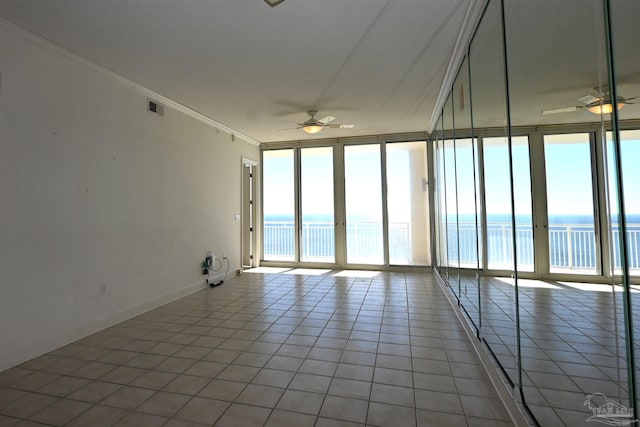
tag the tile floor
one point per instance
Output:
(573, 343)
(320, 349)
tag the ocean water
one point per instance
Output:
(572, 239)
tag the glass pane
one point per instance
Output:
(363, 204)
(316, 189)
(488, 104)
(498, 203)
(440, 199)
(572, 234)
(630, 154)
(451, 205)
(467, 203)
(626, 33)
(278, 205)
(407, 203)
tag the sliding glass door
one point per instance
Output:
(407, 203)
(279, 207)
(346, 204)
(570, 204)
(630, 174)
(318, 243)
(499, 211)
(363, 204)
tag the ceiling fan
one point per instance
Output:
(313, 125)
(601, 104)
(273, 3)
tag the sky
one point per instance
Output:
(567, 164)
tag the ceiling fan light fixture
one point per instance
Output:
(312, 128)
(605, 106)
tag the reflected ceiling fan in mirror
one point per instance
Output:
(601, 104)
(313, 125)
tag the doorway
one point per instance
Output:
(248, 215)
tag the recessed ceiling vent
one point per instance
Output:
(155, 108)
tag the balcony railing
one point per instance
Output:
(571, 246)
(364, 240)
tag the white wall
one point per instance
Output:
(95, 190)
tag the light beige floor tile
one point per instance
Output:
(153, 380)
(280, 418)
(202, 410)
(164, 404)
(238, 373)
(301, 401)
(345, 409)
(128, 397)
(350, 388)
(99, 416)
(206, 369)
(393, 377)
(137, 419)
(60, 412)
(384, 415)
(63, 386)
(274, 378)
(239, 415)
(310, 382)
(242, 350)
(122, 375)
(186, 384)
(27, 405)
(222, 390)
(95, 391)
(392, 395)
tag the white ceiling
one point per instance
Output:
(377, 64)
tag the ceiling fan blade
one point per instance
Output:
(339, 126)
(561, 110)
(589, 99)
(327, 120)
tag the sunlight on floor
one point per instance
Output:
(272, 270)
(357, 273)
(308, 271)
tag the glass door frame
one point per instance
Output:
(597, 184)
(538, 194)
(339, 202)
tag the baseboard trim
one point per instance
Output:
(42, 347)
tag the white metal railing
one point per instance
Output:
(364, 240)
(499, 247)
(633, 245)
(570, 245)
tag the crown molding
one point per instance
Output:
(168, 102)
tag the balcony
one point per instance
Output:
(572, 247)
(364, 240)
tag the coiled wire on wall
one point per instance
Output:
(211, 264)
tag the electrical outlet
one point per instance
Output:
(103, 288)
(224, 256)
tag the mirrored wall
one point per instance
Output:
(536, 160)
